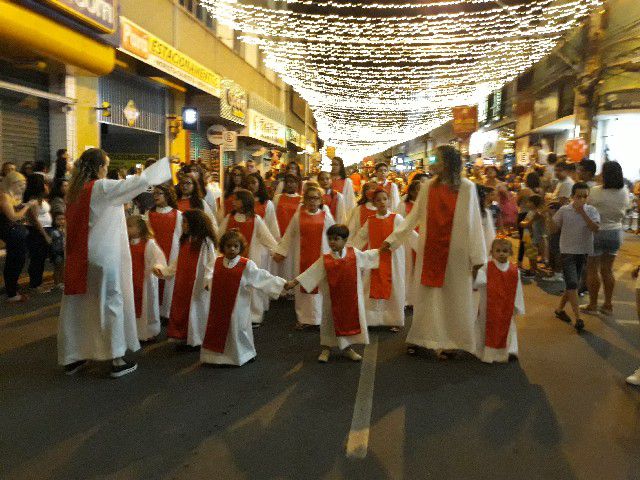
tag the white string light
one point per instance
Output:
(393, 73)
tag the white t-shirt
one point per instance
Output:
(575, 236)
(611, 203)
(563, 189)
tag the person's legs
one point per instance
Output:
(593, 281)
(14, 260)
(608, 280)
(38, 250)
(521, 217)
(572, 267)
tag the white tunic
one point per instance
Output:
(261, 245)
(380, 312)
(488, 354)
(308, 305)
(286, 268)
(409, 253)
(349, 195)
(200, 296)
(239, 347)
(149, 320)
(354, 223)
(394, 195)
(444, 318)
(341, 210)
(316, 275)
(101, 324)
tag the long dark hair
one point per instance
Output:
(532, 181)
(343, 171)
(169, 193)
(297, 168)
(612, 177)
(200, 227)
(452, 162)
(229, 185)
(363, 193)
(483, 192)
(61, 164)
(35, 189)
(195, 199)
(414, 187)
(246, 197)
(262, 193)
(56, 189)
(85, 170)
(197, 169)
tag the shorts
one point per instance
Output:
(606, 242)
(572, 268)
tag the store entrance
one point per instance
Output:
(129, 146)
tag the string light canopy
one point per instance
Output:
(380, 73)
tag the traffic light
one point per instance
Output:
(190, 118)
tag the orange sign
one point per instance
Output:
(465, 120)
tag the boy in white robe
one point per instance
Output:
(381, 172)
(339, 276)
(228, 338)
(501, 299)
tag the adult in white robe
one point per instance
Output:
(101, 323)
(239, 347)
(149, 320)
(409, 255)
(444, 318)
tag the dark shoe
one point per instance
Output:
(412, 350)
(579, 325)
(118, 371)
(562, 315)
(73, 368)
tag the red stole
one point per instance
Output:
(228, 204)
(260, 208)
(184, 204)
(287, 207)
(342, 277)
(501, 296)
(365, 214)
(408, 207)
(337, 184)
(77, 247)
(245, 228)
(225, 285)
(440, 212)
(164, 226)
(311, 231)
(381, 284)
(387, 187)
(137, 268)
(331, 201)
(183, 290)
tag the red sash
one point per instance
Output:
(137, 268)
(342, 277)
(408, 207)
(442, 206)
(184, 204)
(365, 214)
(188, 258)
(260, 208)
(501, 296)
(311, 231)
(387, 187)
(164, 226)
(77, 247)
(245, 228)
(225, 285)
(381, 284)
(228, 204)
(331, 201)
(287, 207)
(337, 184)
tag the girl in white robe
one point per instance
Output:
(305, 241)
(381, 172)
(332, 198)
(346, 324)
(145, 255)
(166, 224)
(260, 244)
(190, 198)
(97, 315)
(229, 335)
(362, 211)
(384, 287)
(286, 205)
(498, 348)
(342, 184)
(190, 303)
(404, 209)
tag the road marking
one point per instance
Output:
(191, 368)
(24, 316)
(154, 346)
(358, 441)
(623, 302)
(296, 368)
(628, 322)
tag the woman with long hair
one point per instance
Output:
(97, 315)
(234, 180)
(363, 210)
(342, 184)
(451, 249)
(191, 197)
(39, 224)
(262, 205)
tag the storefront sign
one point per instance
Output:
(294, 137)
(229, 141)
(147, 48)
(265, 129)
(101, 15)
(465, 120)
(233, 102)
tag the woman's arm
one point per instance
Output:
(7, 209)
(33, 219)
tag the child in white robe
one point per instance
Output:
(381, 172)
(332, 198)
(342, 184)
(339, 275)
(145, 254)
(404, 209)
(190, 303)
(501, 298)
(363, 209)
(287, 204)
(229, 335)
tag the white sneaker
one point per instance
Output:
(351, 354)
(556, 277)
(324, 356)
(635, 378)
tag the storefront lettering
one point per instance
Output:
(173, 56)
(100, 14)
(135, 40)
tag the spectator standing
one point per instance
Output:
(39, 226)
(587, 172)
(58, 235)
(57, 195)
(62, 165)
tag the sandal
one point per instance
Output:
(579, 326)
(562, 315)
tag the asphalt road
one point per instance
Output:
(562, 411)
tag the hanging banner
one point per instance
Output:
(465, 120)
(263, 128)
(233, 102)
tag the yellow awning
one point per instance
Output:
(30, 31)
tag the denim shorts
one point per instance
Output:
(572, 268)
(606, 242)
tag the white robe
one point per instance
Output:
(341, 210)
(167, 293)
(286, 268)
(101, 324)
(200, 296)
(349, 195)
(394, 195)
(149, 320)
(308, 305)
(444, 318)
(316, 275)
(262, 244)
(380, 312)
(488, 354)
(409, 249)
(354, 219)
(239, 347)
(210, 199)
